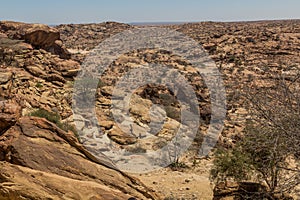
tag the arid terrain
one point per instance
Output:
(43, 155)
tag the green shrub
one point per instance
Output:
(68, 127)
(38, 85)
(177, 165)
(231, 163)
(50, 116)
(55, 118)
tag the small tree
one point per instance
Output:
(269, 150)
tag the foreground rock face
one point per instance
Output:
(38, 35)
(40, 161)
(22, 182)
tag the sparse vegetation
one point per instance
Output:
(269, 151)
(174, 153)
(177, 165)
(66, 126)
(54, 118)
(39, 85)
(85, 90)
(50, 116)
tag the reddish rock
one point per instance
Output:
(117, 135)
(68, 68)
(38, 35)
(55, 165)
(10, 111)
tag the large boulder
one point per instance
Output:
(38, 35)
(40, 161)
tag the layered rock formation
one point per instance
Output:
(38, 35)
(37, 156)
(39, 160)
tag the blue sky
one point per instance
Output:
(76, 11)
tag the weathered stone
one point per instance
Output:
(71, 73)
(55, 78)
(87, 37)
(5, 76)
(38, 35)
(67, 65)
(18, 181)
(36, 71)
(117, 135)
(55, 165)
(140, 107)
(68, 68)
(106, 124)
(10, 111)
(2, 35)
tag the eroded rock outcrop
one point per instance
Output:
(39, 161)
(38, 35)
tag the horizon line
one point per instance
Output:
(137, 23)
(163, 22)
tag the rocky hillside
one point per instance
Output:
(86, 36)
(81, 38)
(246, 53)
(43, 159)
(40, 159)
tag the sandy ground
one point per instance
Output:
(189, 183)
